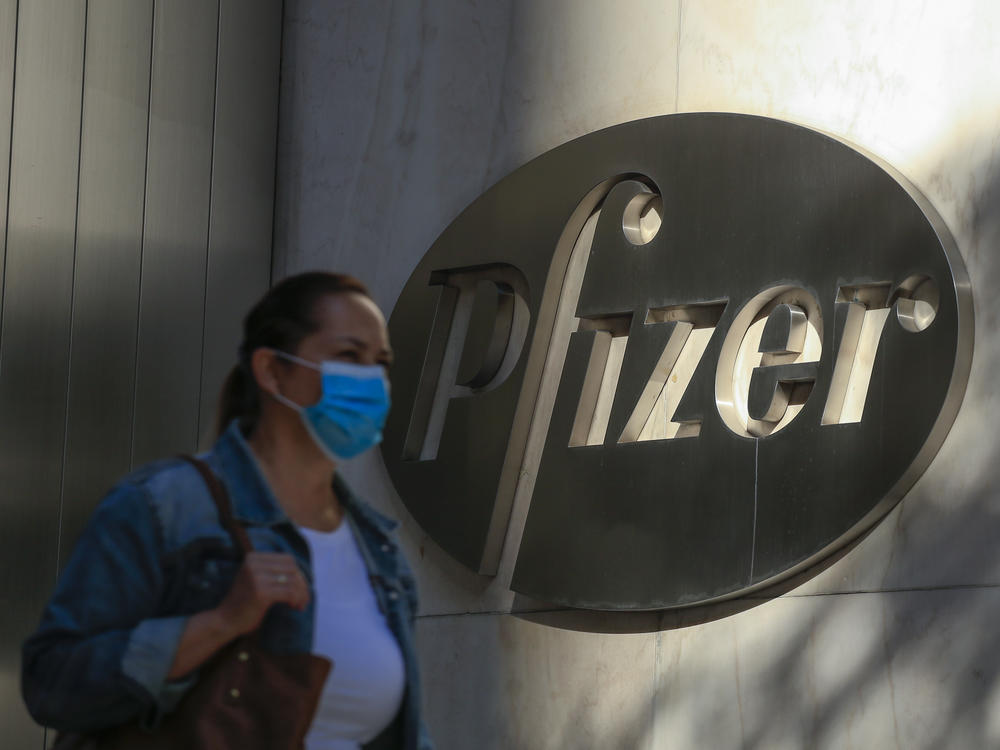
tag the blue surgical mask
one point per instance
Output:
(350, 414)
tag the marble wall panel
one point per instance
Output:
(572, 68)
(395, 116)
(387, 122)
(388, 117)
(915, 87)
(896, 669)
(891, 669)
(500, 682)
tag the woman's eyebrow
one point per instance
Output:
(350, 340)
(361, 344)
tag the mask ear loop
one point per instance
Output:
(281, 398)
(298, 408)
(296, 360)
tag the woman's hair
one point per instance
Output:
(280, 320)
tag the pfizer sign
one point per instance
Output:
(706, 350)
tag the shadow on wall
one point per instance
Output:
(903, 623)
(809, 670)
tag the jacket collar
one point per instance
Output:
(361, 511)
(254, 501)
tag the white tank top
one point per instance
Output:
(365, 687)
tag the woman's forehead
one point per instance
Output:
(351, 318)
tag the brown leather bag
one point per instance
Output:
(245, 699)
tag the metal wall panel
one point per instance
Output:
(178, 179)
(116, 315)
(108, 253)
(239, 248)
(8, 43)
(34, 342)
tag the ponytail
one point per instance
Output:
(237, 400)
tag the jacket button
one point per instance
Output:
(235, 693)
(243, 656)
(385, 547)
(393, 595)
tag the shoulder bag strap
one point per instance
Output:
(222, 504)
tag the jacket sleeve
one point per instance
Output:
(100, 656)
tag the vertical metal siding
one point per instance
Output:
(108, 252)
(34, 339)
(242, 184)
(141, 137)
(8, 589)
(175, 240)
(8, 44)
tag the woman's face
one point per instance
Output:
(352, 329)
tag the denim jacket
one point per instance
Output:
(154, 553)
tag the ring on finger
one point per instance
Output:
(282, 578)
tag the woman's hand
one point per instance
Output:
(263, 580)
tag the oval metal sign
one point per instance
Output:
(710, 349)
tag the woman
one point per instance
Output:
(153, 588)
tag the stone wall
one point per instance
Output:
(397, 115)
